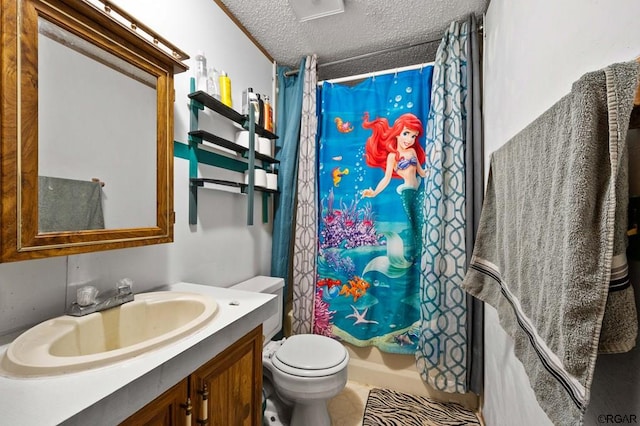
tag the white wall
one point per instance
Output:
(534, 51)
(221, 249)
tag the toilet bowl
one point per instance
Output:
(306, 370)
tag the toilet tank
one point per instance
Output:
(268, 285)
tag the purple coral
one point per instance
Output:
(323, 317)
(341, 265)
(347, 227)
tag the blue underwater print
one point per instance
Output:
(371, 164)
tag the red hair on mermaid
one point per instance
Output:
(383, 140)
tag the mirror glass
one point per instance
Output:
(96, 121)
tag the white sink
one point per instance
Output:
(67, 344)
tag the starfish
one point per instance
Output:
(360, 316)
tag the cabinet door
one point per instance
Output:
(233, 381)
(166, 410)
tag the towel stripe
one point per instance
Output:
(619, 279)
(531, 336)
(550, 360)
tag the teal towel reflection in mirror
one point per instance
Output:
(69, 205)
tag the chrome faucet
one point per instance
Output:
(89, 301)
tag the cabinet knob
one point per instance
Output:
(204, 405)
(187, 412)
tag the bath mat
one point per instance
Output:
(389, 407)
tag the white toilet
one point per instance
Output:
(306, 369)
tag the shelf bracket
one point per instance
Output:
(265, 208)
(252, 163)
(194, 107)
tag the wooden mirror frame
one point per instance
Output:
(20, 238)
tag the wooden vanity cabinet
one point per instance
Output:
(169, 409)
(233, 381)
(226, 391)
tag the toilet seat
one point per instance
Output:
(310, 355)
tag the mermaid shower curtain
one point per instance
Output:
(371, 163)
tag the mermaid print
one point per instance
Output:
(394, 149)
(371, 161)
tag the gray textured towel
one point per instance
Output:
(69, 205)
(552, 240)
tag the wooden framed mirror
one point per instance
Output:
(86, 154)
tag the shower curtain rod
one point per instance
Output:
(379, 52)
(366, 55)
(375, 73)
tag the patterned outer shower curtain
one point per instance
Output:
(371, 160)
(304, 250)
(442, 347)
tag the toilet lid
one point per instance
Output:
(310, 355)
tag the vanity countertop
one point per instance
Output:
(107, 395)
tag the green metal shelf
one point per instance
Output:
(200, 100)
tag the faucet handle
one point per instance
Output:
(86, 295)
(124, 286)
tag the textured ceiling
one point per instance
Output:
(406, 32)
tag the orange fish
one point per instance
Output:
(357, 288)
(344, 290)
(351, 291)
(359, 283)
(343, 126)
(337, 174)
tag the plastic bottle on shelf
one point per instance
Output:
(201, 71)
(260, 115)
(250, 102)
(272, 124)
(247, 96)
(225, 89)
(213, 86)
(268, 114)
(256, 107)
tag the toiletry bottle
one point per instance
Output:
(247, 95)
(250, 103)
(256, 107)
(272, 126)
(265, 114)
(201, 71)
(225, 89)
(214, 83)
(260, 116)
(268, 114)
